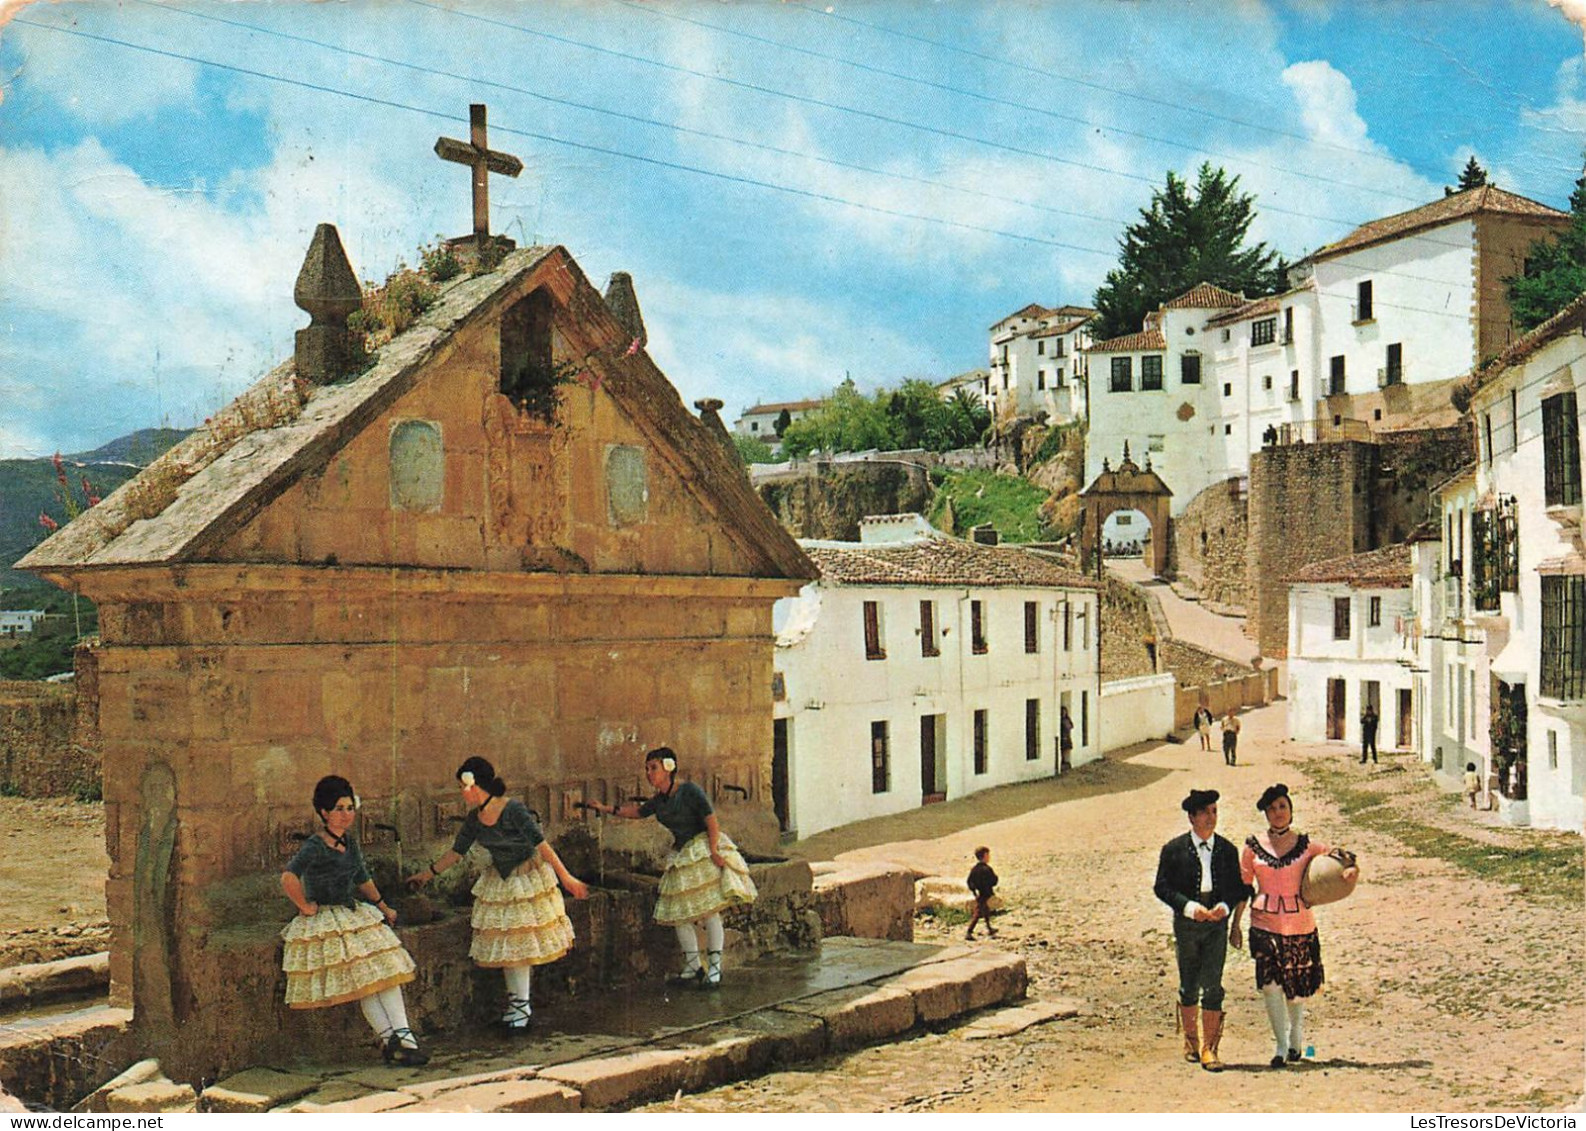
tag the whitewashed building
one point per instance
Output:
(759, 421)
(975, 382)
(1345, 622)
(19, 622)
(1038, 363)
(922, 667)
(1377, 327)
(1525, 571)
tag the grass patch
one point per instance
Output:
(1543, 864)
(947, 916)
(1011, 504)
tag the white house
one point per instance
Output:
(975, 382)
(1038, 363)
(1525, 571)
(759, 421)
(1345, 622)
(922, 667)
(1399, 304)
(17, 622)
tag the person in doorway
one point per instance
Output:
(341, 948)
(982, 884)
(1368, 734)
(1065, 738)
(1203, 726)
(1197, 875)
(1230, 738)
(519, 918)
(1283, 938)
(705, 874)
(1472, 783)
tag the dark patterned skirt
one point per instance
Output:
(1291, 961)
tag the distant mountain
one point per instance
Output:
(142, 448)
(30, 487)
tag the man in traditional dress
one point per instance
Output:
(1197, 876)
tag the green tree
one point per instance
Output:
(783, 419)
(848, 422)
(1554, 274)
(1471, 176)
(752, 449)
(1190, 234)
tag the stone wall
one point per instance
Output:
(1210, 545)
(829, 503)
(1128, 634)
(40, 755)
(1308, 503)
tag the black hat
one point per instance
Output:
(1198, 799)
(1273, 792)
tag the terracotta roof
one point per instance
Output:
(1255, 308)
(1387, 568)
(939, 561)
(1566, 321)
(1460, 206)
(185, 504)
(790, 406)
(1033, 310)
(1144, 340)
(1203, 296)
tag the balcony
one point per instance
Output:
(1390, 375)
(1454, 595)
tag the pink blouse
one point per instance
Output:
(1277, 906)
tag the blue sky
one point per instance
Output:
(799, 190)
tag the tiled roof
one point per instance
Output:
(1067, 327)
(1203, 296)
(1460, 206)
(790, 406)
(1145, 340)
(1255, 308)
(1387, 568)
(1033, 310)
(939, 561)
(1566, 321)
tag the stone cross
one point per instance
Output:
(477, 154)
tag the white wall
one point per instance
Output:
(833, 693)
(1370, 654)
(1137, 710)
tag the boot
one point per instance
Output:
(1213, 1033)
(1189, 1021)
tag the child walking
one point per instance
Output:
(982, 882)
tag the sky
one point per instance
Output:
(801, 191)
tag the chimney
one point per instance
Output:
(624, 306)
(329, 291)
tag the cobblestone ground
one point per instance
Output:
(1454, 973)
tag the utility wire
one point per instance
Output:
(553, 140)
(869, 68)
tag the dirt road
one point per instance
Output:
(1454, 974)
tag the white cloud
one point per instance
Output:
(1326, 101)
(98, 87)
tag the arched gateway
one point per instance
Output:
(1129, 488)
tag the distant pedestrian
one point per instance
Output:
(982, 883)
(1472, 783)
(1065, 730)
(1368, 735)
(1203, 725)
(1230, 738)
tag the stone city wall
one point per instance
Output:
(1210, 545)
(40, 755)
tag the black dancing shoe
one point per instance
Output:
(692, 977)
(1294, 1056)
(395, 1052)
(1277, 1062)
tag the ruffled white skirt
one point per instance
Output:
(340, 954)
(692, 887)
(520, 920)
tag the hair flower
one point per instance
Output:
(467, 778)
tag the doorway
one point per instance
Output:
(1406, 719)
(779, 790)
(933, 750)
(1335, 708)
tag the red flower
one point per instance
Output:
(88, 492)
(634, 347)
(60, 469)
(48, 523)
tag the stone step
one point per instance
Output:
(25, 988)
(923, 986)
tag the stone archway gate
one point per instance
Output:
(1129, 487)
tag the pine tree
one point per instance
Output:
(1471, 176)
(1555, 269)
(1189, 235)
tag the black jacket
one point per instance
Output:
(1178, 874)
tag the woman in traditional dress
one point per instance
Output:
(340, 949)
(705, 874)
(519, 919)
(1283, 936)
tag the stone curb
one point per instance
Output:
(956, 982)
(22, 987)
